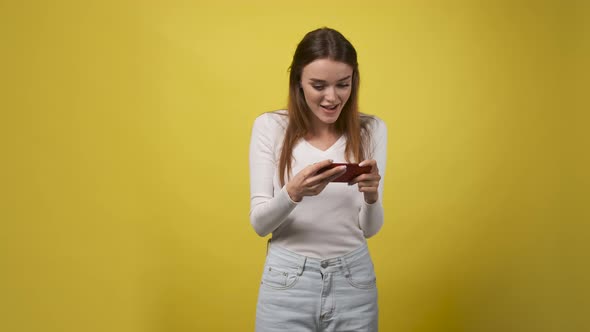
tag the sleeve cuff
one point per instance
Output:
(286, 197)
(376, 203)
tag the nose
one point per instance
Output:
(330, 94)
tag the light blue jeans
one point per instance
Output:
(299, 293)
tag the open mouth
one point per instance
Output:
(329, 108)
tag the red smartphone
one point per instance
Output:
(352, 171)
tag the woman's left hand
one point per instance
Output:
(368, 183)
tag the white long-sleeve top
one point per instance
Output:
(331, 224)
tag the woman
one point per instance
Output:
(318, 274)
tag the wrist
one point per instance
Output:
(371, 198)
(293, 194)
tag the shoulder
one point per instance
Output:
(271, 126)
(373, 124)
(271, 121)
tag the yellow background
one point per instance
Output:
(124, 144)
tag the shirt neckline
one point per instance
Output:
(330, 148)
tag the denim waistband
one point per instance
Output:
(301, 262)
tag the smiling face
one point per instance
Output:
(326, 86)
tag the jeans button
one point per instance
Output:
(324, 264)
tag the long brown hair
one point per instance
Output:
(323, 43)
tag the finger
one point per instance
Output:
(355, 180)
(316, 189)
(328, 175)
(366, 177)
(337, 175)
(372, 163)
(314, 168)
(366, 184)
(368, 162)
(368, 189)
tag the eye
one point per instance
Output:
(343, 85)
(318, 87)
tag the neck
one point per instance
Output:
(320, 129)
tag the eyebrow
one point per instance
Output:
(322, 81)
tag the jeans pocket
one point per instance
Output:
(278, 277)
(279, 274)
(362, 275)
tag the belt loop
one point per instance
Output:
(344, 265)
(301, 264)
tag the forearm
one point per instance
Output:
(371, 218)
(371, 215)
(266, 214)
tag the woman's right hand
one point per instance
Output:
(308, 183)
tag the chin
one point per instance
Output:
(325, 118)
(330, 120)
